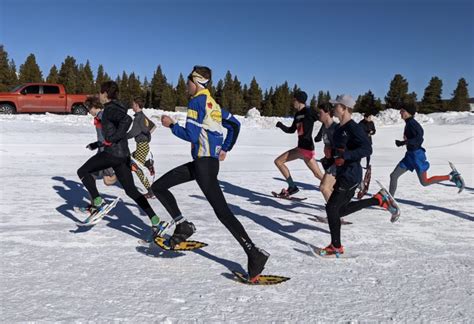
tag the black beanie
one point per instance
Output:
(410, 107)
(301, 96)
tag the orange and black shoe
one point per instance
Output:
(331, 249)
(389, 204)
(383, 201)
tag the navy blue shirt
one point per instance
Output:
(414, 134)
(353, 141)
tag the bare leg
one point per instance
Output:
(314, 167)
(288, 156)
(327, 185)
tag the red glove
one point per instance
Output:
(107, 143)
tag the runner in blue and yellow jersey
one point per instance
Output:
(204, 125)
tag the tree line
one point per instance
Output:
(238, 98)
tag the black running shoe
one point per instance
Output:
(256, 261)
(292, 190)
(181, 233)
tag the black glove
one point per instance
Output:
(279, 124)
(400, 143)
(94, 145)
(326, 163)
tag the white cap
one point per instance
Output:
(345, 100)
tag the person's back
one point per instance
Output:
(351, 141)
(141, 130)
(115, 124)
(413, 133)
(95, 109)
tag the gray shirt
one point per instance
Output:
(326, 134)
(141, 128)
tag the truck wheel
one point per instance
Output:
(79, 110)
(7, 109)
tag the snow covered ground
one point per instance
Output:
(417, 270)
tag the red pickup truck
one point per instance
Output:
(40, 98)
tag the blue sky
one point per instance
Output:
(340, 46)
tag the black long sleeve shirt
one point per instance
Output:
(303, 122)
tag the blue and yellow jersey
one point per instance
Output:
(204, 127)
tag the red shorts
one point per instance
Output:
(307, 154)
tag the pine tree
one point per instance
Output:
(134, 88)
(411, 98)
(368, 104)
(146, 91)
(313, 103)
(227, 92)
(323, 97)
(168, 98)
(295, 89)
(88, 76)
(101, 78)
(158, 84)
(460, 100)
(218, 94)
(237, 101)
(255, 95)
(30, 71)
(245, 95)
(431, 101)
(8, 78)
(53, 76)
(181, 95)
(68, 74)
(320, 97)
(282, 100)
(398, 92)
(13, 75)
(85, 79)
(268, 104)
(327, 96)
(124, 90)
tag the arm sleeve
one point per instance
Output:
(233, 128)
(194, 119)
(319, 136)
(135, 130)
(124, 121)
(416, 140)
(363, 149)
(372, 128)
(290, 129)
(150, 125)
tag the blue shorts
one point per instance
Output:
(415, 160)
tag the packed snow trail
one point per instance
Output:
(418, 269)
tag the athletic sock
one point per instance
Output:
(155, 220)
(97, 201)
(290, 182)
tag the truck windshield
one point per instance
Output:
(16, 88)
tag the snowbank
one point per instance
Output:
(253, 119)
